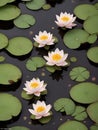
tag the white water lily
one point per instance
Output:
(40, 109)
(44, 38)
(57, 58)
(65, 20)
(35, 86)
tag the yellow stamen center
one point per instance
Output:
(56, 57)
(65, 19)
(40, 109)
(34, 85)
(44, 37)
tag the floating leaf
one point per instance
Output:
(35, 4)
(46, 6)
(24, 21)
(2, 58)
(9, 74)
(10, 106)
(72, 125)
(66, 104)
(83, 11)
(92, 54)
(86, 92)
(35, 62)
(96, 5)
(18, 128)
(78, 110)
(3, 41)
(79, 74)
(80, 117)
(19, 46)
(73, 59)
(4, 2)
(9, 12)
(91, 24)
(26, 96)
(94, 127)
(74, 38)
(92, 111)
(45, 120)
(52, 69)
(92, 38)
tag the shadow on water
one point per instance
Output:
(6, 25)
(54, 2)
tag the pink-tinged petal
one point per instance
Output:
(50, 63)
(47, 58)
(41, 45)
(38, 116)
(48, 108)
(32, 111)
(37, 94)
(46, 114)
(62, 64)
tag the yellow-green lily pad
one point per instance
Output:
(9, 74)
(18, 128)
(94, 127)
(96, 5)
(19, 46)
(85, 92)
(3, 41)
(92, 38)
(4, 2)
(92, 54)
(10, 106)
(92, 111)
(2, 58)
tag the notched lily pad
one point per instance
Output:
(19, 46)
(35, 62)
(86, 92)
(79, 74)
(9, 74)
(3, 41)
(74, 38)
(92, 54)
(24, 21)
(18, 128)
(10, 106)
(92, 111)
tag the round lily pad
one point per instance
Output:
(86, 92)
(79, 74)
(96, 6)
(92, 111)
(24, 21)
(18, 128)
(94, 127)
(45, 120)
(9, 12)
(92, 38)
(3, 41)
(91, 24)
(35, 4)
(19, 46)
(9, 74)
(4, 2)
(83, 11)
(74, 38)
(65, 104)
(92, 54)
(35, 62)
(10, 106)
(72, 125)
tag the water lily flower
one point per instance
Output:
(40, 109)
(57, 58)
(44, 38)
(65, 20)
(35, 86)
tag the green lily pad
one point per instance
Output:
(45, 120)
(18, 128)
(4, 2)
(2, 58)
(24, 21)
(86, 92)
(73, 59)
(92, 38)
(52, 69)
(92, 54)
(3, 41)
(9, 74)
(64, 104)
(80, 117)
(92, 111)
(83, 11)
(19, 46)
(72, 125)
(26, 96)
(74, 38)
(46, 6)
(79, 74)
(10, 106)
(78, 110)
(91, 24)
(96, 5)
(94, 127)
(9, 12)
(35, 4)
(35, 62)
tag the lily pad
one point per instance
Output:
(94, 127)
(19, 46)
(9, 12)
(92, 38)
(91, 24)
(92, 54)
(10, 106)
(45, 120)
(2, 58)
(3, 41)
(35, 4)
(86, 92)
(65, 104)
(4, 2)
(18, 128)
(83, 11)
(24, 21)
(35, 62)
(26, 96)
(92, 111)
(96, 5)
(74, 38)
(9, 74)
(73, 59)
(72, 125)
(46, 6)
(52, 69)
(79, 74)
